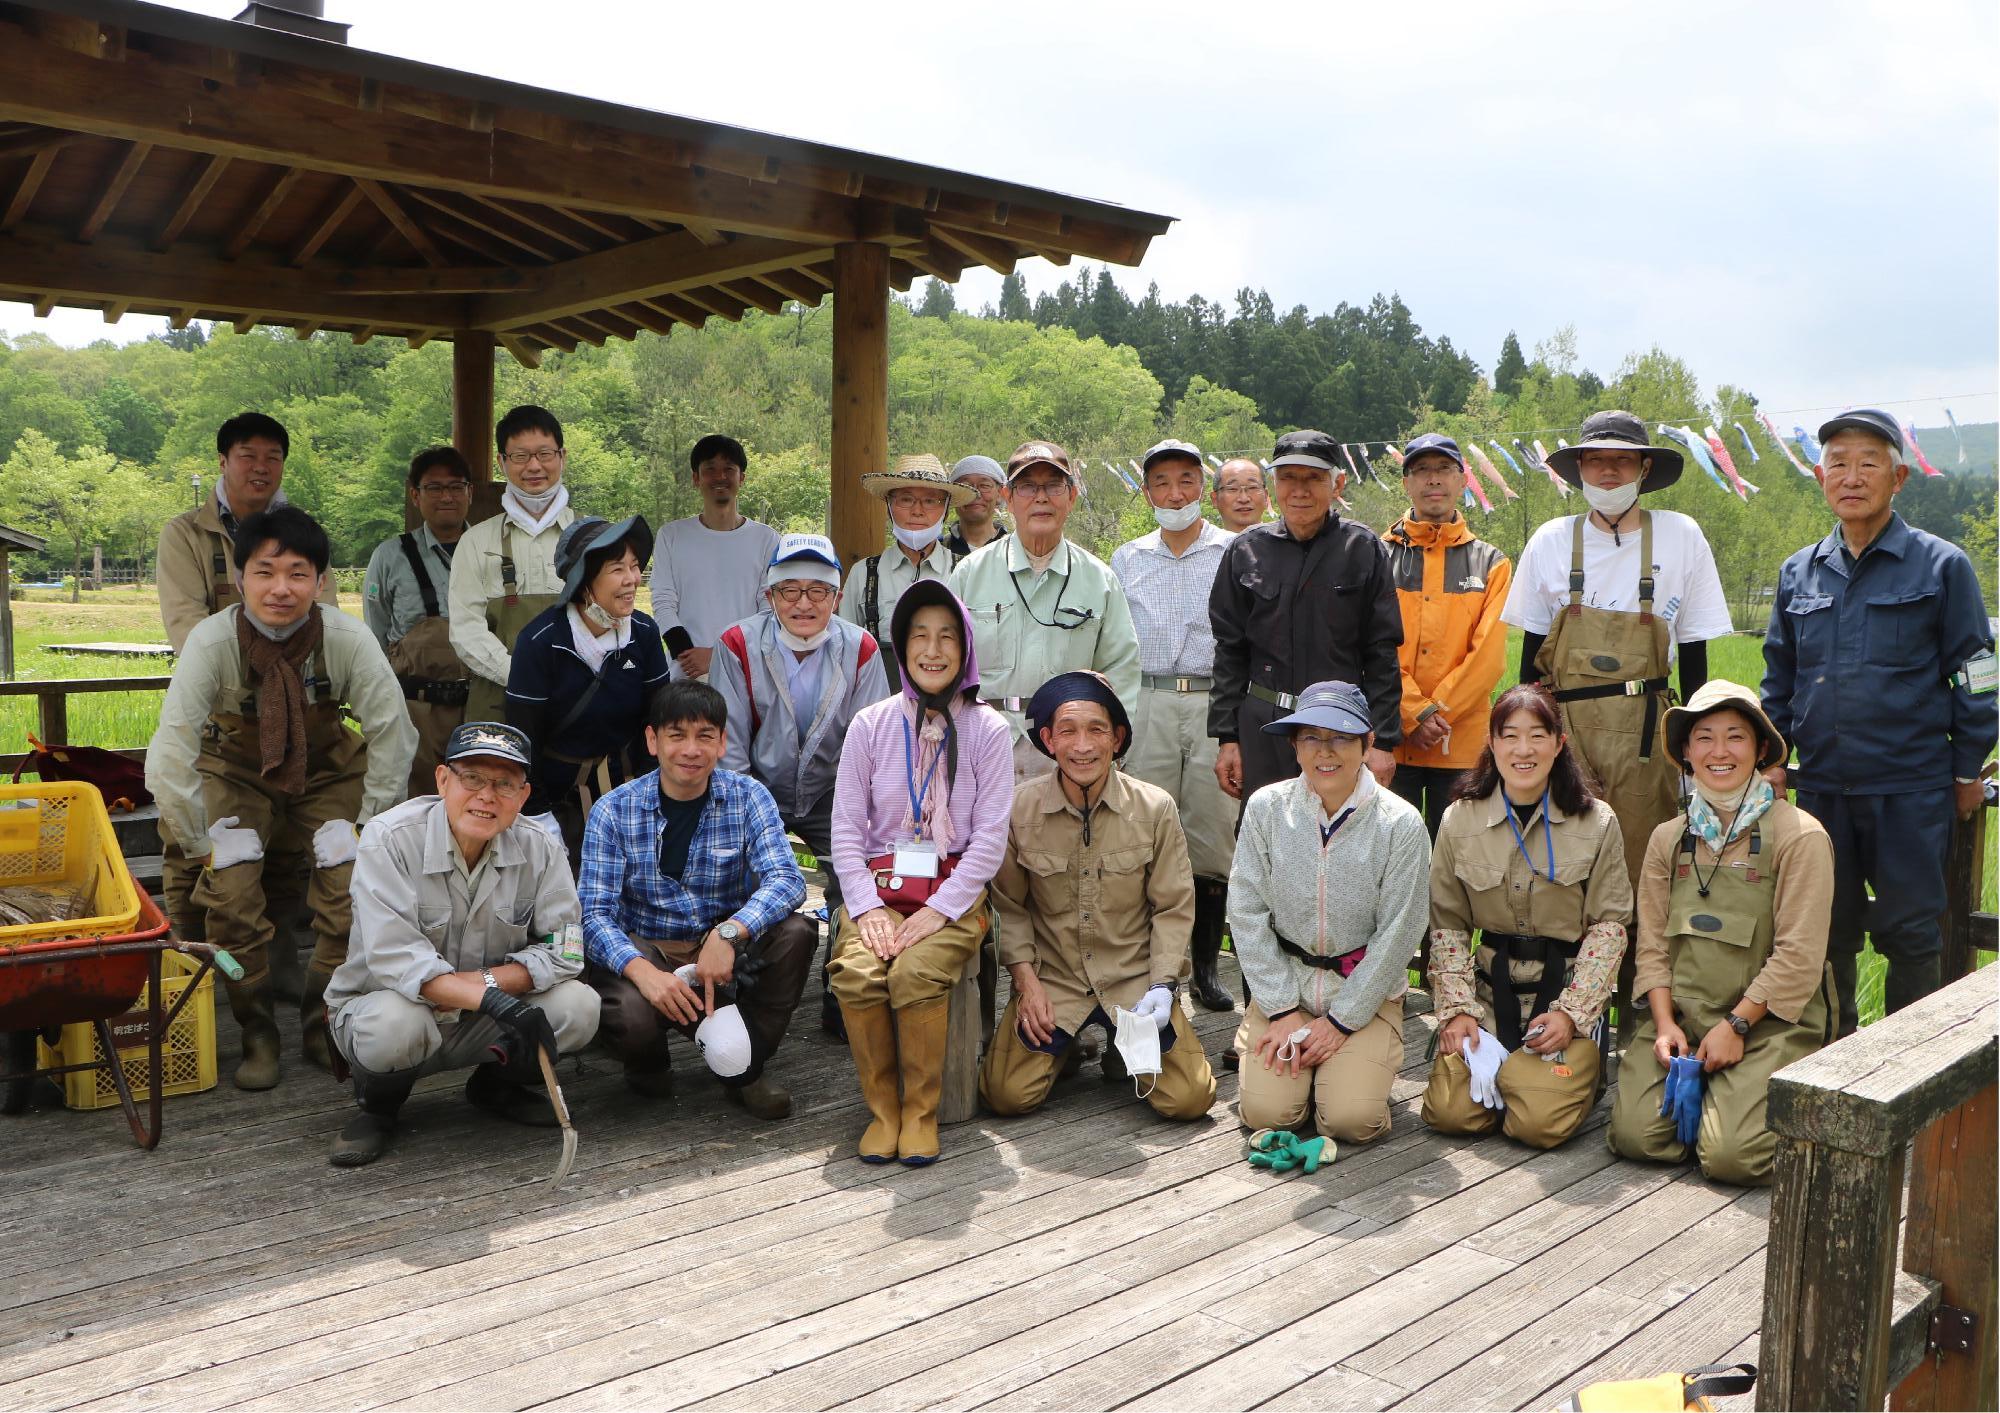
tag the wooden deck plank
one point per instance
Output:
(1338, 1387)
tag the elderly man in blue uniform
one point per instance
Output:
(1879, 669)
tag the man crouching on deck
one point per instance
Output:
(466, 948)
(1096, 904)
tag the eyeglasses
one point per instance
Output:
(547, 456)
(811, 593)
(504, 787)
(1326, 741)
(1038, 490)
(444, 488)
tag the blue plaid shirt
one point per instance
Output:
(739, 865)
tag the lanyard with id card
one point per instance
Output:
(907, 876)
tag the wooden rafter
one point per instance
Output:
(274, 197)
(29, 140)
(386, 202)
(534, 222)
(678, 311)
(446, 228)
(117, 309)
(995, 255)
(645, 316)
(579, 329)
(659, 265)
(208, 171)
(464, 211)
(24, 194)
(715, 302)
(756, 295)
(525, 353)
(330, 220)
(794, 284)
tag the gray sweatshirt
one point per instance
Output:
(1368, 886)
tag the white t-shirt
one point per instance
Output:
(704, 580)
(1687, 592)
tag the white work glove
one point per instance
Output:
(547, 824)
(230, 845)
(1157, 1005)
(335, 843)
(1484, 1060)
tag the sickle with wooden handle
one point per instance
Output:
(562, 1116)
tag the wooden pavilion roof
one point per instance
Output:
(160, 162)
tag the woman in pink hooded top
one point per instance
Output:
(920, 814)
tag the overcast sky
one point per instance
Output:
(1799, 199)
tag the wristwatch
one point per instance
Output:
(732, 932)
(1738, 1024)
(492, 983)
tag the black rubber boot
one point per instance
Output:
(1210, 899)
(366, 1136)
(1909, 980)
(1845, 980)
(489, 1088)
(314, 1043)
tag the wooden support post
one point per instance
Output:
(54, 714)
(1950, 1237)
(472, 416)
(6, 621)
(1965, 877)
(860, 394)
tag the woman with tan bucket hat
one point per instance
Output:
(918, 492)
(1735, 896)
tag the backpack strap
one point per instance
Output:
(424, 586)
(871, 604)
(739, 648)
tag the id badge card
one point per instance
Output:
(916, 858)
(1982, 673)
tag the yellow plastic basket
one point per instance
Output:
(187, 1055)
(59, 832)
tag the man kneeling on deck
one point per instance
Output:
(688, 891)
(466, 949)
(1096, 905)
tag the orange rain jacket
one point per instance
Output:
(1451, 587)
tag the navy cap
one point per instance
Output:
(1431, 441)
(488, 738)
(1187, 451)
(1872, 420)
(1307, 448)
(1331, 706)
(1078, 686)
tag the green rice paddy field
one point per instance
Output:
(132, 615)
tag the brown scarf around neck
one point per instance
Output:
(278, 670)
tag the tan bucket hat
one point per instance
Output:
(922, 472)
(1719, 694)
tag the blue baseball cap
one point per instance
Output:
(1431, 441)
(804, 557)
(1331, 706)
(1872, 420)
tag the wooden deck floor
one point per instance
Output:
(1089, 1256)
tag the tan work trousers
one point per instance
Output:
(1171, 748)
(1016, 1079)
(1547, 1100)
(1348, 1094)
(919, 974)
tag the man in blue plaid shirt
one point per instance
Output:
(688, 870)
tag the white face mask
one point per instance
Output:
(1138, 1042)
(1611, 504)
(1177, 519)
(538, 502)
(802, 645)
(916, 540)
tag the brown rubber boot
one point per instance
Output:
(251, 1005)
(920, 1033)
(871, 1035)
(761, 1097)
(314, 1044)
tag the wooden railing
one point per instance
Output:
(52, 696)
(1843, 1323)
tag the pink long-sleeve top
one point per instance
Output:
(871, 800)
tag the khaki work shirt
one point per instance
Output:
(420, 913)
(210, 678)
(1800, 852)
(475, 579)
(1481, 880)
(194, 545)
(1103, 913)
(392, 602)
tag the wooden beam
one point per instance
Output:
(207, 172)
(330, 220)
(407, 279)
(465, 238)
(467, 213)
(42, 262)
(860, 394)
(45, 305)
(579, 329)
(716, 302)
(755, 295)
(525, 353)
(305, 331)
(180, 319)
(274, 197)
(902, 274)
(24, 194)
(793, 284)
(679, 310)
(704, 232)
(646, 317)
(116, 310)
(660, 265)
(391, 208)
(247, 321)
(995, 255)
(533, 222)
(29, 141)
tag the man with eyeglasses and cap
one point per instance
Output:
(1307, 599)
(404, 597)
(1608, 604)
(1096, 901)
(1879, 669)
(1041, 604)
(467, 947)
(978, 518)
(1167, 576)
(793, 677)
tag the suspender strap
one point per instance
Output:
(871, 613)
(1645, 566)
(424, 586)
(1576, 566)
(1507, 946)
(506, 558)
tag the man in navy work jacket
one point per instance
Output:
(1879, 668)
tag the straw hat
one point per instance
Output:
(1719, 694)
(922, 472)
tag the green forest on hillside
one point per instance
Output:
(101, 444)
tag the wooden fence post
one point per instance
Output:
(1950, 1237)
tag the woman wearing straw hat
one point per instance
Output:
(1735, 896)
(918, 492)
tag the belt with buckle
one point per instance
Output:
(1284, 700)
(1175, 684)
(418, 689)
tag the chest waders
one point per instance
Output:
(242, 914)
(506, 616)
(435, 682)
(1609, 672)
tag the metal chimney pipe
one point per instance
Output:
(301, 17)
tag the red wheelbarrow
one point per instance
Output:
(94, 979)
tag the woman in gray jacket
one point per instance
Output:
(1328, 900)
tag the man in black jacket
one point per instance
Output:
(1308, 599)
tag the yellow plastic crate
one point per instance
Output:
(58, 831)
(187, 1056)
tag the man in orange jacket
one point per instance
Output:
(1451, 587)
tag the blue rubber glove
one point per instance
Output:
(1682, 1101)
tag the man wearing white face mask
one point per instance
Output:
(504, 570)
(1608, 602)
(917, 492)
(1167, 576)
